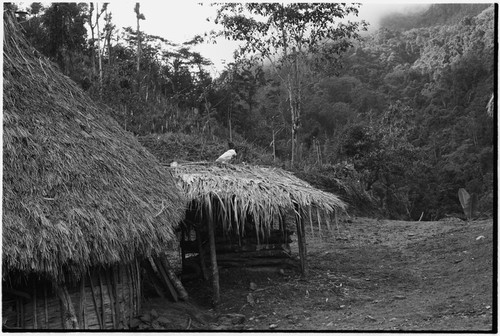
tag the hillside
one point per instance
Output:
(434, 15)
(375, 275)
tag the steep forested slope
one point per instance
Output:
(434, 15)
(409, 108)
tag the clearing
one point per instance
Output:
(377, 275)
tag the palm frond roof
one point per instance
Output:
(263, 192)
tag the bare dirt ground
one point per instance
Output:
(375, 275)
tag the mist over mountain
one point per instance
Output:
(434, 15)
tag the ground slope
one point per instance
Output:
(374, 275)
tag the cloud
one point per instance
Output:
(374, 12)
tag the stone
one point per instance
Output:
(237, 318)
(164, 321)
(145, 317)
(250, 299)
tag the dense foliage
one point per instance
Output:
(402, 111)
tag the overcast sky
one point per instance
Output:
(179, 21)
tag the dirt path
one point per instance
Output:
(375, 275)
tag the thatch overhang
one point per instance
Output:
(78, 190)
(264, 193)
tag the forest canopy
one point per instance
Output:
(396, 121)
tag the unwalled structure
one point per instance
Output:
(241, 208)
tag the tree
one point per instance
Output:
(93, 26)
(139, 16)
(64, 24)
(288, 35)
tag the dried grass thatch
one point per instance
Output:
(78, 190)
(264, 193)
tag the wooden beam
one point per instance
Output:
(181, 291)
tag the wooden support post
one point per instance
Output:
(201, 253)
(101, 290)
(35, 322)
(213, 260)
(163, 274)
(96, 307)
(81, 306)
(181, 291)
(301, 237)
(70, 320)
(183, 253)
(45, 306)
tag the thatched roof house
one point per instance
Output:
(79, 194)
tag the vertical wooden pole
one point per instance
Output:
(96, 308)
(304, 245)
(213, 260)
(35, 322)
(81, 306)
(299, 221)
(112, 305)
(116, 293)
(45, 304)
(204, 270)
(139, 285)
(130, 280)
(101, 289)
(70, 321)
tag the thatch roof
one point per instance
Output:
(78, 190)
(263, 192)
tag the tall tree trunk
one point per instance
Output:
(92, 40)
(99, 54)
(139, 17)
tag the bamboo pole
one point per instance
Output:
(101, 287)
(337, 222)
(183, 295)
(299, 221)
(311, 220)
(327, 220)
(35, 322)
(111, 298)
(132, 292)
(213, 261)
(319, 221)
(166, 280)
(22, 313)
(81, 306)
(101, 324)
(114, 277)
(46, 309)
(201, 254)
(139, 290)
(70, 320)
